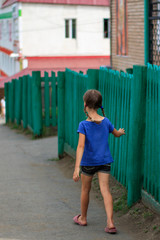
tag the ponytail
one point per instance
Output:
(102, 111)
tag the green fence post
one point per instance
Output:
(61, 111)
(20, 97)
(6, 92)
(158, 185)
(36, 103)
(12, 95)
(29, 97)
(93, 79)
(54, 99)
(46, 99)
(136, 133)
(16, 100)
(24, 102)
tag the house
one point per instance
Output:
(53, 34)
(135, 33)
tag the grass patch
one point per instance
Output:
(120, 204)
(19, 129)
(154, 227)
(53, 159)
(135, 211)
(147, 214)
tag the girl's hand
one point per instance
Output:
(118, 133)
(121, 131)
(76, 174)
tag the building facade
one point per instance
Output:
(135, 33)
(9, 39)
(127, 33)
(32, 29)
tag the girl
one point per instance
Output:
(93, 155)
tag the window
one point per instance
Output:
(70, 28)
(67, 28)
(106, 28)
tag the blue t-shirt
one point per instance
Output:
(96, 150)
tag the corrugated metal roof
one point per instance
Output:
(69, 2)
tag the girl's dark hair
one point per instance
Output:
(93, 99)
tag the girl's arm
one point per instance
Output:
(118, 133)
(79, 154)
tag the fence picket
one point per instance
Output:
(36, 103)
(24, 102)
(61, 111)
(29, 105)
(158, 140)
(54, 99)
(136, 138)
(46, 99)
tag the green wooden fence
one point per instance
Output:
(24, 101)
(124, 103)
(130, 101)
(151, 180)
(116, 93)
(71, 87)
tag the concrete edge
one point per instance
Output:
(150, 202)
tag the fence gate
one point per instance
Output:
(154, 32)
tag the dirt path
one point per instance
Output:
(38, 197)
(139, 221)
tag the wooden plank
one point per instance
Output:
(46, 99)
(53, 99)
(36, 103)
(61, 113)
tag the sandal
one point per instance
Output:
(112, 230)
(75, 219)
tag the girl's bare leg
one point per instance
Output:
(85, 190)
(107, 197)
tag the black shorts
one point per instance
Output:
(91, 170)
